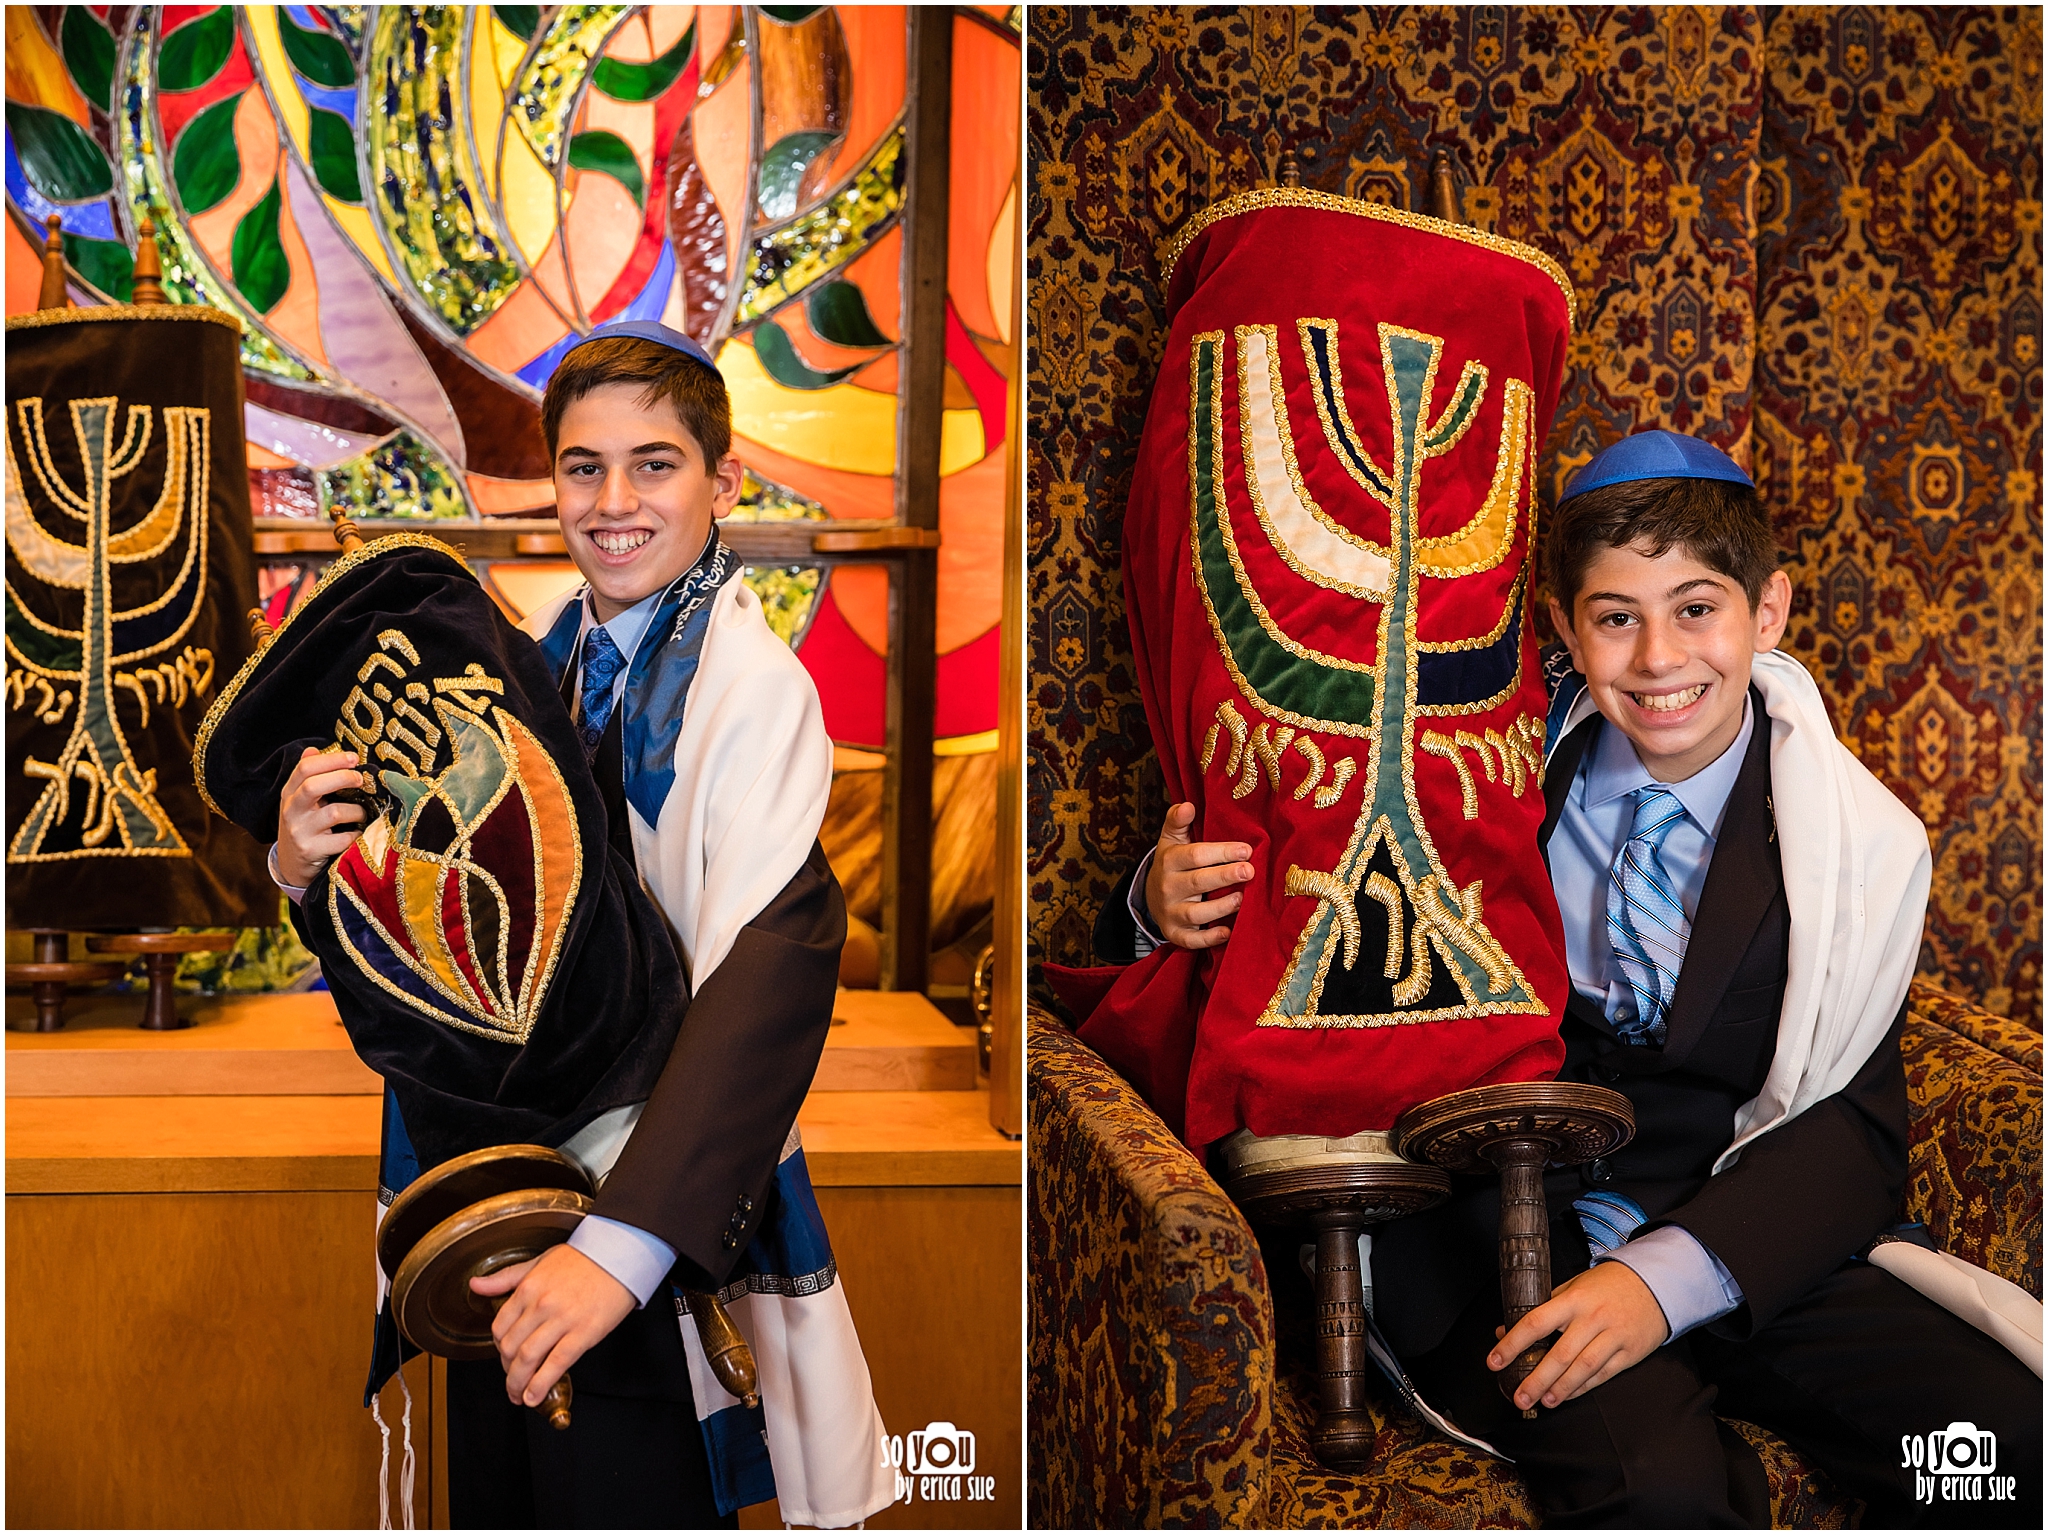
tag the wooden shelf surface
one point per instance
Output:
(293, 1043)
(246, 1143)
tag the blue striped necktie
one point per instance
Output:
(1645, 922)
(601, 663)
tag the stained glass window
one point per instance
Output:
(416, 210)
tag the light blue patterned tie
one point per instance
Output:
(1608, 1219)
(1645, 922)
(601, 663)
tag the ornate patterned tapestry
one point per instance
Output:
(1836, 218)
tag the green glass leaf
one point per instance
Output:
(520, 20)
(608, 154)
(107, 264)
(644, 82)
(783, 167)
(839, 313)
(89, 55)
(257, 255)
(790, 15)
(319, 56)
(333, 147)
(194, 53)
(58, 155)
(778, 355)
(206, 165)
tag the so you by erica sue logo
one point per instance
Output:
(1957, 1464)
(935, 1464)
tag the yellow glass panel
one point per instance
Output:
(506, 52)
(843, 427)
(277, 70)
(527, 194)
(35, 73)
(486, 97)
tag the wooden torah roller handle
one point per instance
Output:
(730, 1357)
(470, 1217)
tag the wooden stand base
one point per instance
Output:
(160, 953)
(53, 973)
(1338, 1188)
(1518, 1128)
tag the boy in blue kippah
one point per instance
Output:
(705, 735)
(1742, 904)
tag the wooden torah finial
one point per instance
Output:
(346, 533)
(1443, 188)
(260, 631)
(55, 292)
(149, 271)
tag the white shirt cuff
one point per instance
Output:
(296, 892)
(637, 1259)
(1691, 1285)
(1147, 937)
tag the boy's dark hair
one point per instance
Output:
(1721, 524)
(696, 393)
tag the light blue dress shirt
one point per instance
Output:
(1691, 1285)
(637, 1259)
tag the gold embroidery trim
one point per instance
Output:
(40, 319)
(1304, 197)
(385, 544)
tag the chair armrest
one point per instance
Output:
(1973, 1113)
(1151, 1353)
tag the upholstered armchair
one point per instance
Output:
(1162, 1392)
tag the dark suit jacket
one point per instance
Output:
(1796, 1204)
(697, 1169)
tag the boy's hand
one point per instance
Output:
(1609, 1320)
(561, 1305)
(1183, 873)
(311, 834)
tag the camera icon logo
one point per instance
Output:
(939, 1448)
(1962, 1447)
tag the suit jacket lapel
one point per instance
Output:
(1742, 881)
(1558, 774)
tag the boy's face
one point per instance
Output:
(1666, 645)
(635, 495)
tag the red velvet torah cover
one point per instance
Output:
(1328, 557)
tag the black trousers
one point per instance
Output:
(1847, 1377)
(632, 1457)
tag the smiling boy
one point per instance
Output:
(1742, 904)
(706, 738)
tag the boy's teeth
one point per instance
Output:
(1663, 703)
(619, 543)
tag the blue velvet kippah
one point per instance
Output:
(1656, 455)
(649, 330)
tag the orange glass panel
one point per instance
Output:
(24, 271)
(878, 273)
(496, 497)
(1002, 269)
(35, 71)
(842, 493)
(820, 353)
(882, 375)
(987, 90)
(525, 325)
(721, 128)
(862, 595)
(666, 25)
(877, 44)
(716, 25)
(602, 226)
(971, 550)
(256, 144)
(527, 586)
(296, 317)
(261, 457)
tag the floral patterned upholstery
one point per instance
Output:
(1164, 1393)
